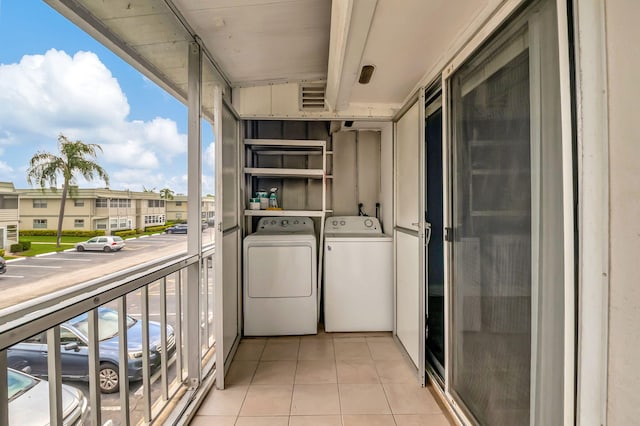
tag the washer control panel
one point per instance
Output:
(359, 225)
(285, 224)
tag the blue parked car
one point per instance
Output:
(74, 351)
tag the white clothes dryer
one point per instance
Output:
(358, 275)
(280, 278)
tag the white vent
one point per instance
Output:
(312, 97)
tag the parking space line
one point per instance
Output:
(19, 265)
(12, 276)
(73, 260)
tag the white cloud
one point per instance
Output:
(6, 171)
(54, 90)
(45, 95)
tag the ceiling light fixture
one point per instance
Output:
(366, 73)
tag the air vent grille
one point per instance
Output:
(312, 97)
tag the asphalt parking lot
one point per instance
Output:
(30, 277)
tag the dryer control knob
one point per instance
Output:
(334, 223)
(273, 222)
(343, 223)
(368, 223)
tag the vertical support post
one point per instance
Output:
(164, 355)
(219, 276)
(146, 363)
(55, 378)
(94, 368)
(4, 394)
(123, 356)
(194, 197)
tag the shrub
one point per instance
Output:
(126, 233)
(26, 245)
(15, 248)
(67, 233)
(160, 228)
(1, 252)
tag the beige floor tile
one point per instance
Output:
(263, 421)
(241, 372)
(396, 372)
(281, 350)
(384, 350)
(356, 371)
(250, 350)
(351, 350)
(363, 399)
(421, 420)
(368, 420)
(315, 421)
(351, 339)
(223, 402)
(316, 372)
(267, 400)
(316, 349)
(213, 420)
(410, 399)
(315, 400)
(275, 373)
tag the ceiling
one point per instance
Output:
(262, 42)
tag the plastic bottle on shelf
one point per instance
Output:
(273, 199)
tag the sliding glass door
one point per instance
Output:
(507, 276)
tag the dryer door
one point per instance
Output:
(280, 270)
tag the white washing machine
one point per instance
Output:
(280, 278)
(358, 275)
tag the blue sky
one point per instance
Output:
(54, 78)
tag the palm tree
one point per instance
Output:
(76, 157)
(166, 194)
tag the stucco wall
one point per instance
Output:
(623, 404)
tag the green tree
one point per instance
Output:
(75, 157)
(166, 194)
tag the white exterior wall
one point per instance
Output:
(623, 68)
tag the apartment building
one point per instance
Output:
(9, 219)
(176, 208)
(90, 209)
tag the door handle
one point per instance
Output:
(427, 234)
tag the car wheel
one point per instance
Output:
(169, 232)
(107, 249)
(109, 382)
(80, 248)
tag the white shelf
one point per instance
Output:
(285, 142)
(310, 213)
(277, 172)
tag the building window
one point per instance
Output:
(12, 232)
(156, 203)
(101, 202)
(120, 202)
(8, 202)
(178, 203)
(78, 223)
(39, 223)
(123, 223)
(39, 204)
(102, 224)
(78, 203)
(113, 223)
(154, 219)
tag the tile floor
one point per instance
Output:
(329, 379)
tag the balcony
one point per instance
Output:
(337, 378)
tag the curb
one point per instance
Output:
(16, 260)
(46, 254)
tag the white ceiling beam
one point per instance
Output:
(350, 24)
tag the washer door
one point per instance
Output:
(280, 271)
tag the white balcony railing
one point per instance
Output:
(150, 303)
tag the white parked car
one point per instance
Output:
(106, 244)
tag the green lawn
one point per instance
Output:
(47, 239)
(44, 248)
